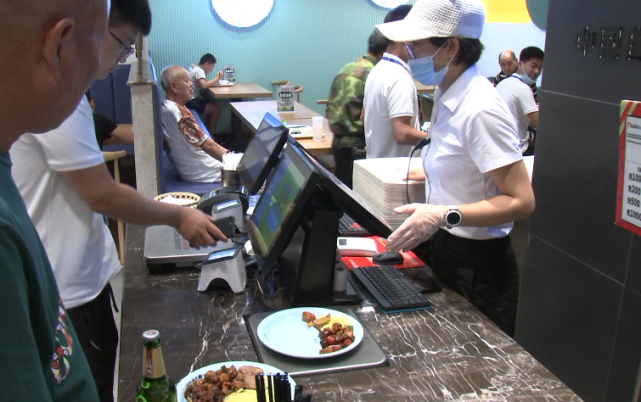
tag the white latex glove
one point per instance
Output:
(420, 226)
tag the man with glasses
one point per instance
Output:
(519, 96)
(63, 179)
(390, 106)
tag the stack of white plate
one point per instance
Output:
(380, 181)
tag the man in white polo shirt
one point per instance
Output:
(517, 93)
(390, 107)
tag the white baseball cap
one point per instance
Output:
(438, 19)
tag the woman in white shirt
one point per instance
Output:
(476, 182)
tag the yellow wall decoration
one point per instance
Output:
(506, 11)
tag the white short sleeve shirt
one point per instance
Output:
(79, 245)
(520, 100)
(389, 92)
(472, 134)
(195, 74)
(193, 164)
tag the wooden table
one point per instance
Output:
(316, 148)
(242, 90)
(236, 93)
(252, 113)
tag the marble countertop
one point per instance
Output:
(449, 353)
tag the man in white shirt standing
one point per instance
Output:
(517, 93)
(65, 184)
(197, 157)
(390, 107)
(201, 101)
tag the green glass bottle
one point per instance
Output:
(155, 385)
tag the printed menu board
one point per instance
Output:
(628, 213)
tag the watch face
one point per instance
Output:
(453, 218)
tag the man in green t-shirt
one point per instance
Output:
(49, 53)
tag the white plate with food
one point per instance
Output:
(289, 333)
(246, 394)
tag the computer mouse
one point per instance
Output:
(388, 258)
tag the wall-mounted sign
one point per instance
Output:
(613, 42)
(242, 13)
(389, 3)
(629, 182)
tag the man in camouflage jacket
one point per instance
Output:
(345, 106)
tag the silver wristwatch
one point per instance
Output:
(453, 217)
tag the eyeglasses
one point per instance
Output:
(128, 49)
(409, 51)
(412, 53)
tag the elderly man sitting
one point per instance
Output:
(508, 63)
(197, 157)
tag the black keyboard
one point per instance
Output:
(390, 289)
(348, 227)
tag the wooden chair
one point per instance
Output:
(297, 88)
(324, 102)
(114, 156)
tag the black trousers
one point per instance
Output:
(96, 329)
(485, 272)
(344, 158)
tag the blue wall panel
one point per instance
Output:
(304, 41)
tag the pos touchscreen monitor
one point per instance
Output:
(280, 207)
(295, 225)
(262, 153)
(346, 199)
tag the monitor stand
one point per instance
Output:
(307, 265)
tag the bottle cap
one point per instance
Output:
(151, 335)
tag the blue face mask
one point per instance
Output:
(526, 80)
(423, 69)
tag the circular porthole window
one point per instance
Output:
(389, 3)
(242, 13)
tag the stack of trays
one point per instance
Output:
(380, 181)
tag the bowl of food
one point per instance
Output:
(232, 381)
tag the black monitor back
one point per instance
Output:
(262, 153)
